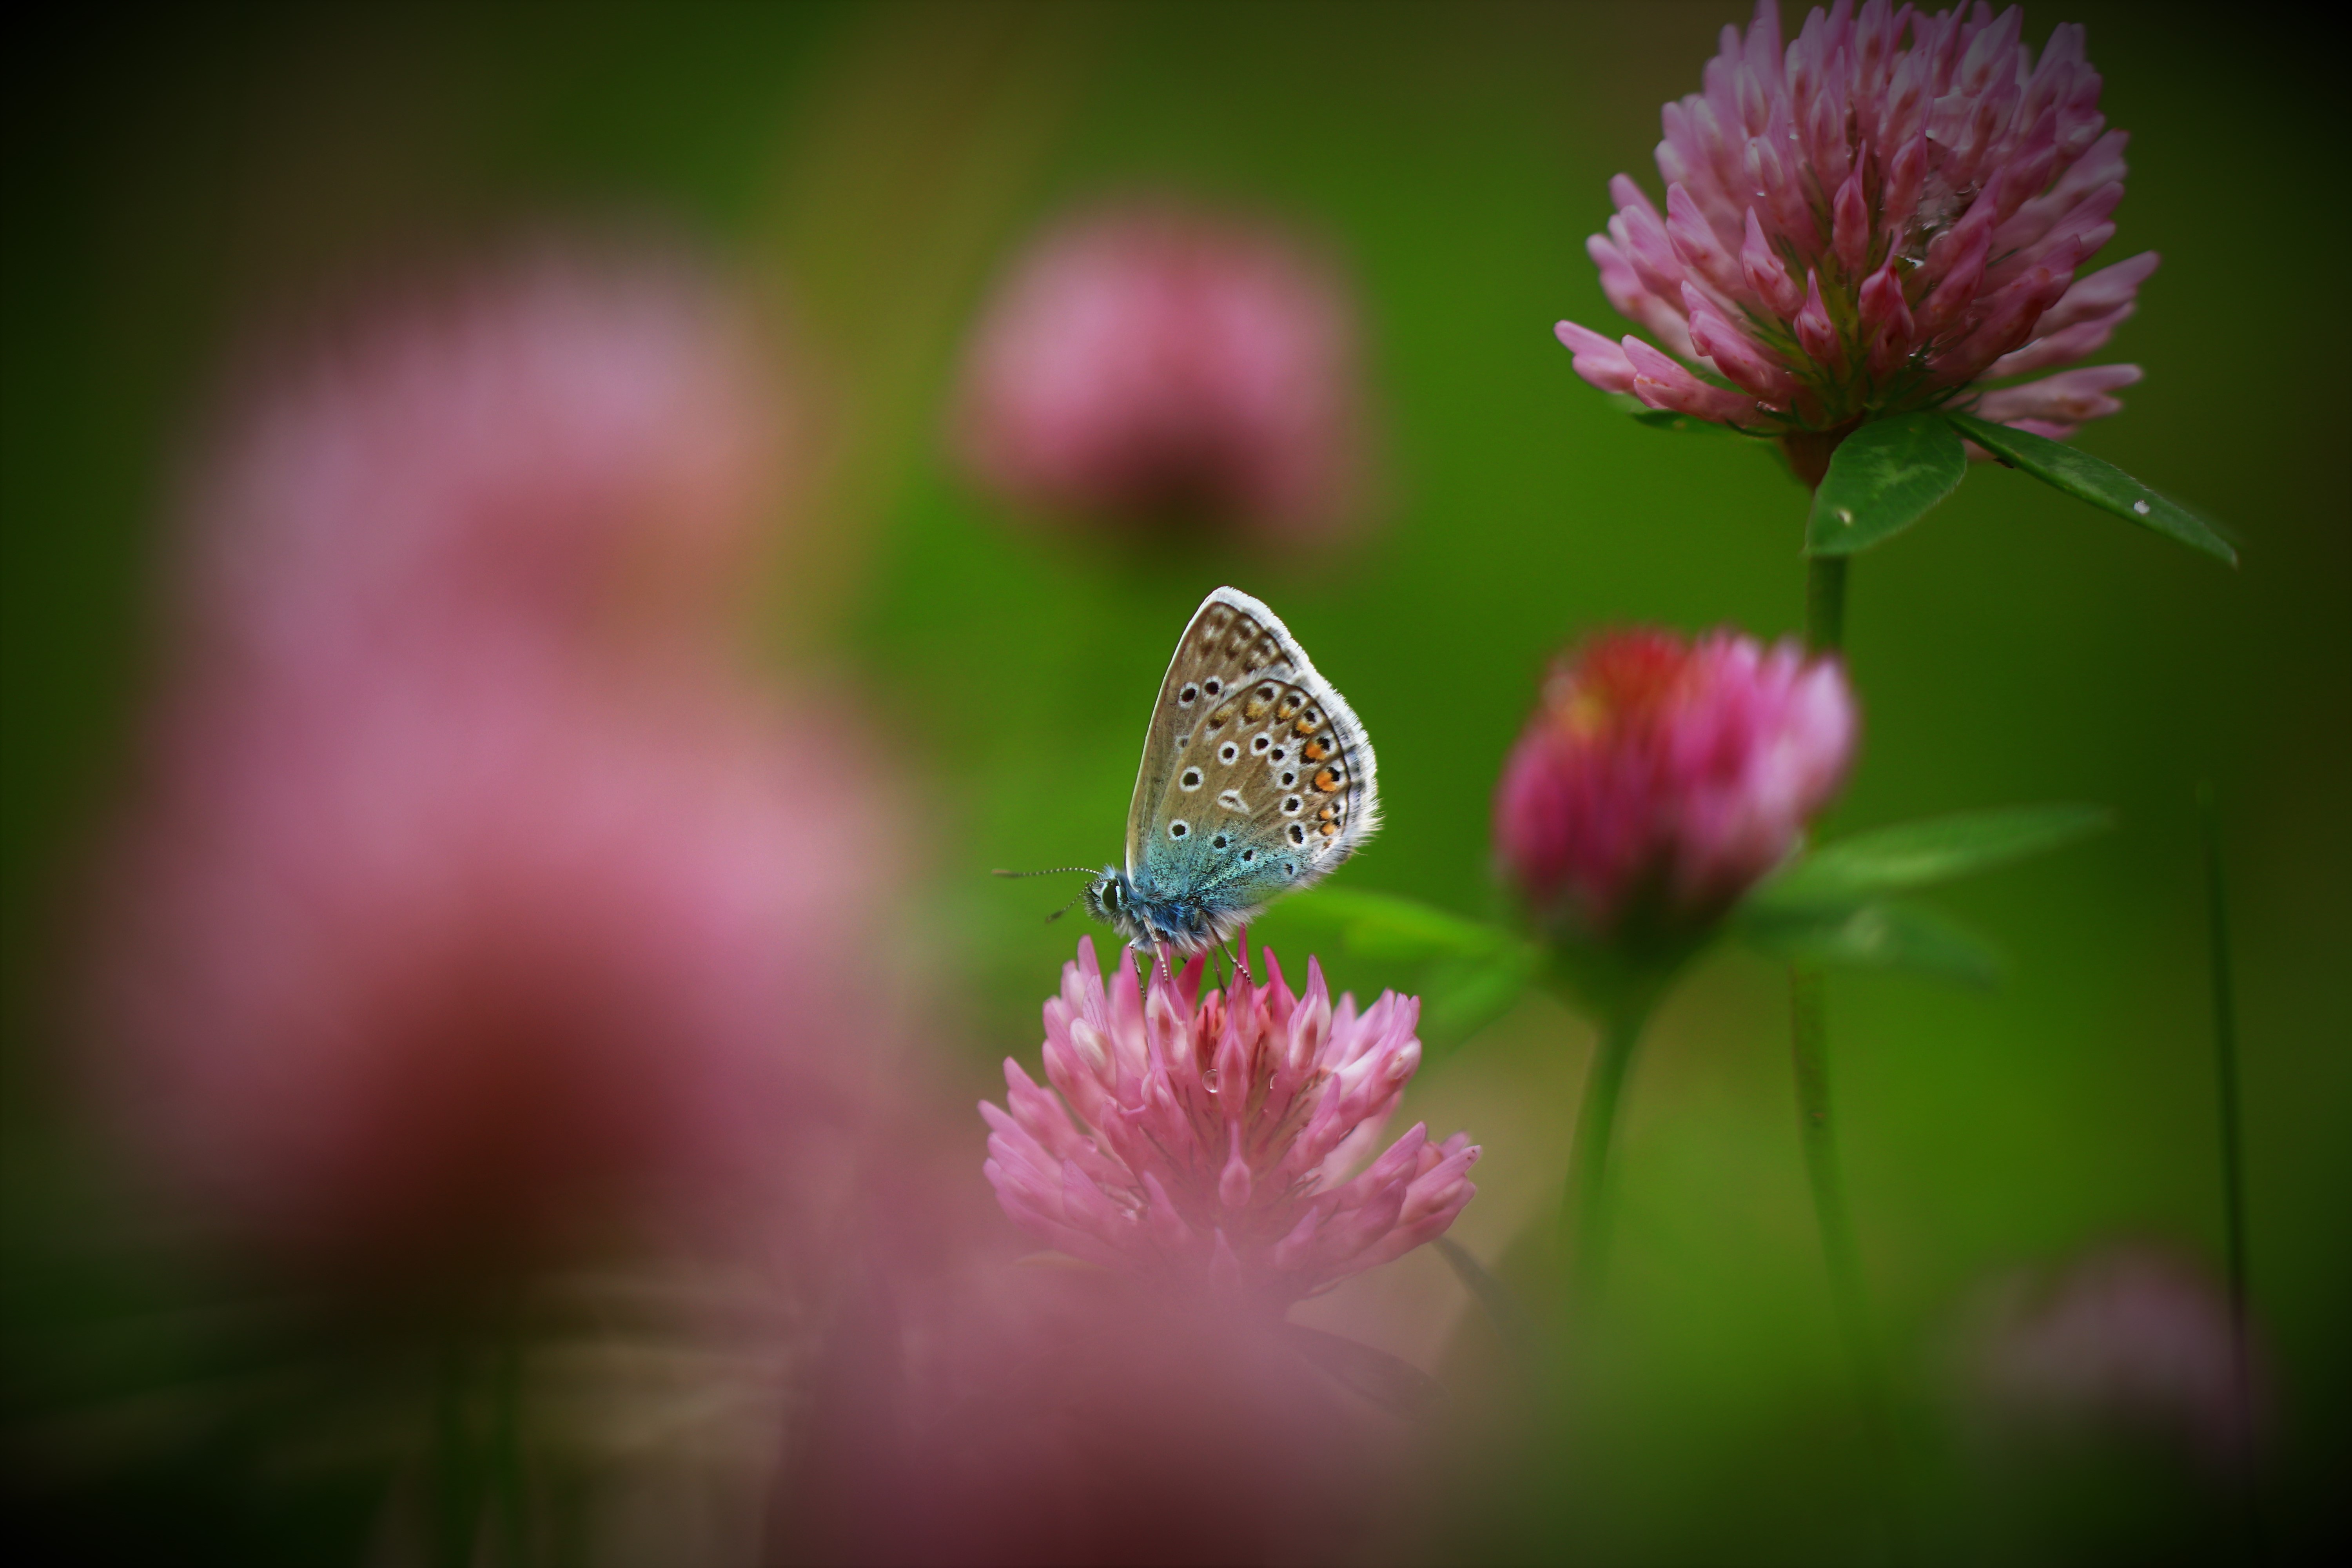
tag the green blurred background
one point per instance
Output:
(174, 179)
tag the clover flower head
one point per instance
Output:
(1209, 1138)
(1660, 778)
(2124, 1337)
(1887, 214)
(1149, 362)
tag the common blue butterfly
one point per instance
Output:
(1257, 780)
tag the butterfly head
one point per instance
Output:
(1111, 898)
(1148, 919)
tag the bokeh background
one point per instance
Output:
(176, 180)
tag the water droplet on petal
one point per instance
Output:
(2140, 506)
(1846, 516)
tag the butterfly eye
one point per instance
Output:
(1289, 778)
(1266, 691)
(1218, 842)
(1190, 781)
(1290, 868)
(1227, 752)
(1213, 686)
(1280, 753)
(1297, 832)
(1179, 828)
(1189, 695)
(1290, 806)
(1248, 856)
(1258, 743)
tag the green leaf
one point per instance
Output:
(1641, 413)
(1394, 1384)
(1915, 854)
(1461, 996)
(2096, 480)
(1882, 480)
(1382, 925)
(1467, 974)
(1869, 935)
(1669, 419)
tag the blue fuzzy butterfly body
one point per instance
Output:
(1257, 780)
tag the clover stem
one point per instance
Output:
(2234, 1179)
(1825, 603)
(1825, 583)
(1584, 1204)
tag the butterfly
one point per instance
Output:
(1257, 780)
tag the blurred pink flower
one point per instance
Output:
(1064, 1414)
(1660, 778)
(474, 906)
(1148, 362)
(1855, 226)
(460, 970)
(2122, 1338)
(581, 441)
(1214, 1134)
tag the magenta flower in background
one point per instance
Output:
(2122, 1338)
(1887, 214)
(1215, 1135)
(582, 442)
(1149, 362)
(1660, 778)
(480, 963)
(475, 905)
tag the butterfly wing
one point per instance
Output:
(1257, 777)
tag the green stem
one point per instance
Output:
(457, 1487)
(1825, 603)
(1584, 1204)
(509, 1491)
(1825, 584)
(1809, 1036)
(2233, 1171)
(1809, 1040)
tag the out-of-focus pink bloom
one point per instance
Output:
(1149, 363)
(473, 905)
(581, 441)
(1068, 1414)
(466, 970)
(1219, 1131)
(1882, 215)
(2124, 1338)
(1660, 778)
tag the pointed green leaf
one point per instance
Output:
(1391, 1382)
(1915, 854)
(1641, 413)
(1869, 935)
(1466, 973)
(1502, 1305)
(1461, 996)
(1382, 925)
(1882, 480)
(1684, 423)
(2096, 480)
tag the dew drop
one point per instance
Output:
(1846, 516)
(2140, 506)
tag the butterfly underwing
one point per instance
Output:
(1257, 780)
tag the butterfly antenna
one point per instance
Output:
(1048, 872)
(1065, 908)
